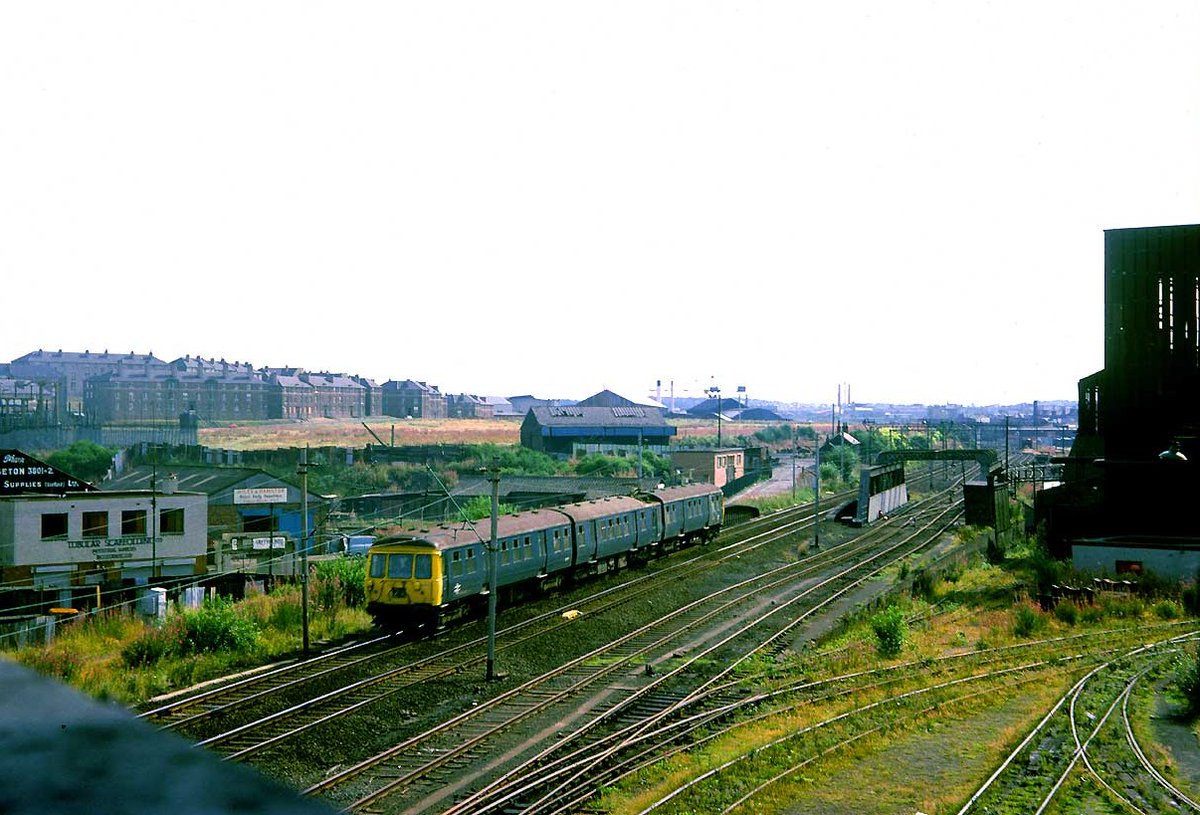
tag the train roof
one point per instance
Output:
(600, 507)
(686, 491)
(450, 535)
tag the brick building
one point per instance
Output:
(412, 399)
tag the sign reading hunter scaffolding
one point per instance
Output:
(261, 495)
(20, 474)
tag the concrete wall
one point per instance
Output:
(1171, 563)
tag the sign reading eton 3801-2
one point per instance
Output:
(20, 474)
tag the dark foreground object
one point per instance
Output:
(62, 752)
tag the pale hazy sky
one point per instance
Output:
(555, 197)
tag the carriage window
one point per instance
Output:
(471, 567)
(377, 565)
(424, 567)
(400, 566)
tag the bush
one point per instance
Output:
(1190, 598)
(215, 626)
(1027, 622)
(924, 586)
(1187, 681)
(480, 507)
(340, 581)
(1065, 612)
(1167, 610)
(890, 631)
(147, 649)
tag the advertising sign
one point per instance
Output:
(22, 474)
(261, 495)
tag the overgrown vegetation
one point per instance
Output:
(84, 460)
(890, 632)
(481, 507)
(116, 655)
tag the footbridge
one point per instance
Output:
(882, 488)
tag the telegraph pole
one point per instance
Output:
(304, 546)
(154, 570)
(817, 497)
(494, 477)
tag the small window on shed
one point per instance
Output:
(170, 521)
(133, 523)
(95, 524)
(54, 525)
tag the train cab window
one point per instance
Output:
(400, 567)
(424, 565)
(456, 565)
(95, 524)
(378, 564)
(54, 525)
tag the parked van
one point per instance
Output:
(357, 544)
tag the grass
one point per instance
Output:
(117, 656)
(919, 760)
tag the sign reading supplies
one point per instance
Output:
(20, 474)
(261, 495)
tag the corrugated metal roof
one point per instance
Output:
(211, 481)
(574, 415)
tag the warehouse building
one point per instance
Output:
(576, 431)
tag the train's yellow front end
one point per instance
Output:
(404, 582)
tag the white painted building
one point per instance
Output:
(1168, 558)
(101, 538)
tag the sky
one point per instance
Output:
(907, 199)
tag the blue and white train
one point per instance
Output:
(430, 577)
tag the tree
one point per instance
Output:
(84, 460)
(602, 465)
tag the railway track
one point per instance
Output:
(612, 686)
(854, 707)
(1065, 742)
(278, 707)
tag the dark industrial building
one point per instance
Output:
(1133, 467)
(573, 431)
